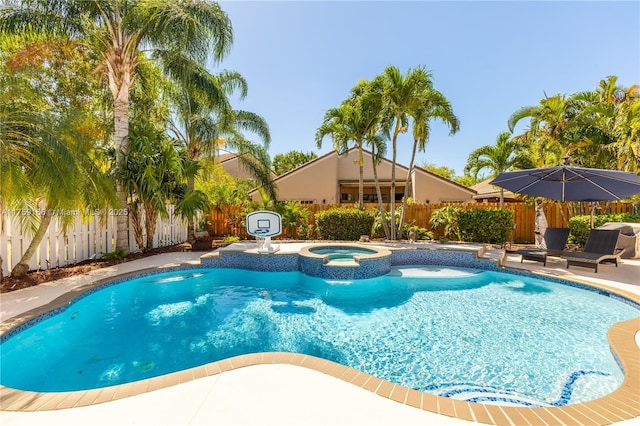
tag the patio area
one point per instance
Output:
(268, 394)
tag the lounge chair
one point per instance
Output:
(555, 240)
(600, 247)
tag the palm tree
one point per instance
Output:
(356, 120)
(505, 155)
(606, 118)
(175, 34)
(411, 97)
(342, 124)
(430, 104)
(551, 127)
(45, 174)
(155, 173)
(206, 122)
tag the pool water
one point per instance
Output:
(476, 335)
(342, 254)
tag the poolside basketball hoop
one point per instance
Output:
(264, 224)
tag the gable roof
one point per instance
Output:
(233, 156)
(384, 159)
(485, 190)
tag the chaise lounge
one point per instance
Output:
(600, 247)
(555, 240)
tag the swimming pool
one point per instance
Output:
(482, 336)
(342, 253)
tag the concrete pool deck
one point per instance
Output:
(266, 394)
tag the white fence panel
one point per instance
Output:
(84, 239)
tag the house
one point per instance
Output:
(333, 179)
(487, 193)
(231, 164)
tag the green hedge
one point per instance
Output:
(343, 224)
(485, 225)
(579, 225)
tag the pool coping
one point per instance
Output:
(617, 406)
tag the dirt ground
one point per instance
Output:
(39, 277)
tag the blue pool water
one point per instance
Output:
(341, 254)
(476, 335)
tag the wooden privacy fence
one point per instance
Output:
(87, 238)
(229, 220)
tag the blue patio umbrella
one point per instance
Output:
(570, 183)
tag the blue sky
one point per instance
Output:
(488, 58)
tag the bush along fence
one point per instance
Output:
(87, 237)
(228, 221)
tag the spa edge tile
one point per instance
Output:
(212, 369)
(385, 388)
(155, 383)
(372, 384)
(414, 398)
(565, 416)
(337, 370)
(430, 402)
(600, 411)
(7, 395)
(445, 407)
(124, 390)
(623, 409)
(481, 414)
(225, 365)
(53, 402)
(187, 375)
(463, 410)
(399, 394)
(199, 372)
(140, 387)
(171, 379)
(359, 379)
(533, 416)
(516, 416)
(106, 395)
(23, 402)
(348, 375)
(40, 402)
(498, 416)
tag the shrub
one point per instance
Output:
(305, 231)
(117, 254)
(485, 225)
(423, 233)
(230, 239)
(343, 224)
(579, 225)
(446, 218)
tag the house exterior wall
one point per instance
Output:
(348, 168)
(333, 179)
(233, 166)
(315, 185)
(429, 187)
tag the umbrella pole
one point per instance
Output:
(592, 208)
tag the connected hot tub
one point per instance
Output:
(344, 261)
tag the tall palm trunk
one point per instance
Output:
(393, 180)
(120, 90)
(361, 178)
(501, 197)
(383, 215)
(150, 221)
(406, 187)
(136, 224)
(191, 232)
(22, 267)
